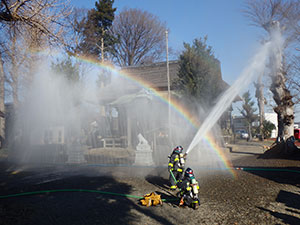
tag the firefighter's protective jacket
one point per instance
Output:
(174, 163)
(186, 185)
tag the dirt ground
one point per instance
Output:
(265, 191)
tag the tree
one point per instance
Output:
(267, 128)
(35, 14)
(141, 37)
(199, 75)
(293, 78)
(73, 35)
(67, 69)
(281, 94)
(28, 25)
(278, 17)
(259, 94)
(96, 36)
(248, 112)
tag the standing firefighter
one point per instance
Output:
(176, 166)
(189, 190)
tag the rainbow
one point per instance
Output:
(175, 105)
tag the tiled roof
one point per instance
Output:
(154, 74)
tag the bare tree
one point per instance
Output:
(35, 14)
(27, 25)
(283, 16)
(140, 37)
(73, 34)
(293, 78)
(259, 94)
(18, 58)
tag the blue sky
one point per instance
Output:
(229, 32)
(233, 39)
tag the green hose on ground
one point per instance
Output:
(132, 196)
(265, 169)
(76, 190)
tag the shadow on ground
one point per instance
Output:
(69, 207)
(245, 153)
(282, 150)
(291, 206)
(161, 184)
(291, 203)
(287, 219)
(282, 175)
(290, 199)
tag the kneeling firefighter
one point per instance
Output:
(189, 187)
(176, 166)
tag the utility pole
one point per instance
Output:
(169, 90)
(2, 105)
(102, 107)
(102, 46)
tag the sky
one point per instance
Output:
(230, 33)
(233, 39)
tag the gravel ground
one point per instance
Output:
(265, 192)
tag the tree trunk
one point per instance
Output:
(2, 105)
(14, 70)
(284, 108)
(249, 132)
(281, 95)
(261, 105)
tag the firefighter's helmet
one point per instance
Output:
(178, 149)
(189, 173)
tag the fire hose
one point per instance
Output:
(77, 190)
(172, 174)
(133, 196)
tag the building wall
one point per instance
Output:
(272, 117)
(52, 135)
(239, 124)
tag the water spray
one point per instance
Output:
(257, 65)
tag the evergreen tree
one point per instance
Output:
(67, 69)
(267, 128)
(248, 112)
(96, 36)
(199, 76)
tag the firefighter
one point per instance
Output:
(176, 166)
(188, 190)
